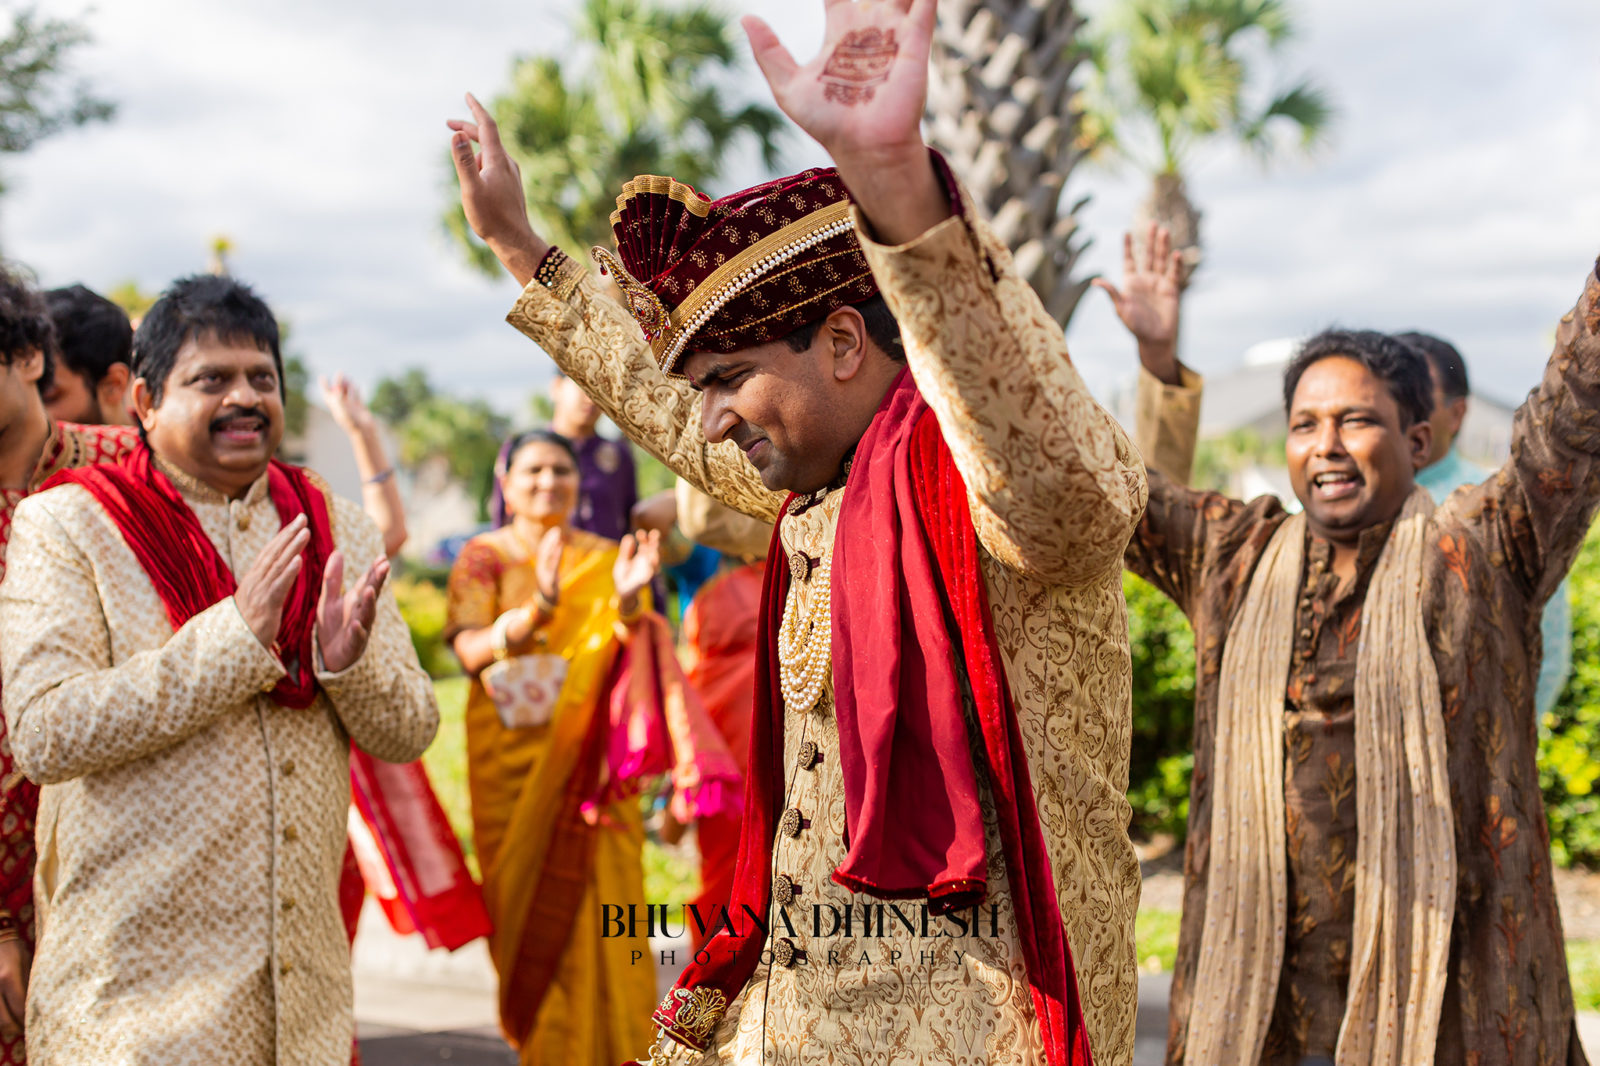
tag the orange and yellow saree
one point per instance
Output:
(550, 856)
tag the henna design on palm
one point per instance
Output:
(859, 63)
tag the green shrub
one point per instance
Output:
(1569, 736)
(423, 606)
(1163, 710)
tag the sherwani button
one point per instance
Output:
(288, 904)
(800, 565)
(285, 968)
(785, 954)
(290, 834)
(793, 821)
(810, 755)
(288, 767)
(784, 890)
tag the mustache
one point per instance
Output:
(234, 413)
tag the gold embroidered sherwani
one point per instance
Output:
(1055, 490)
(190, 830)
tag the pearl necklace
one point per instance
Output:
(805, 647)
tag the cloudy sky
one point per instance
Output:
(1459, 192)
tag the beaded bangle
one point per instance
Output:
(558, 272)
(380, 477)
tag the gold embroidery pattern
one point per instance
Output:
(695, 1013)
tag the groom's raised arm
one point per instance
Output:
(591, 338)
(1054, 485)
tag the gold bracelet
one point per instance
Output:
(558, 272)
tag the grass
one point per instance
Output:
(1156, 936)
(670, 876)
(1583, 960)
(446, 761)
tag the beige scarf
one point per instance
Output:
(1405, 857)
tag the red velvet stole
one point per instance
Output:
(911, 623)
(188, 572)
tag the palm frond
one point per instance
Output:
(1306, 108)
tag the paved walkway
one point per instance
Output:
(417, 1007)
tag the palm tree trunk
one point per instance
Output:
(1168, 205)
(1000, 109)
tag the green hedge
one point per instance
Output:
(1569, 736)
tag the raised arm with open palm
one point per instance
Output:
(862, 98)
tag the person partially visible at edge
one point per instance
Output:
(608, 485)
(185, 671)
(1367, 878)
(555, 816)
(33, 447)
(870, 368)
(95, 342)
(380, 496)
(1447, 470)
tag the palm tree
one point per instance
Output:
(1001, 109)
(1174, 74)
(644, 89)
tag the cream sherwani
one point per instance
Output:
(1055, 489)
(190, 829)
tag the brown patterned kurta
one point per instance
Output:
(1054, 491)
(1498, 550)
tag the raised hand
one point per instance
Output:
(266, 584)
(345, 404)
(1149, 300)
(862, 98)
(491, 193)
(344, 619)
(638, 560)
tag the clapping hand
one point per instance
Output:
(862, 98)
(265, 586)
(638, 560)
(344, 619)
(1149, 300)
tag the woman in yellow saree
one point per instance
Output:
(552, 849)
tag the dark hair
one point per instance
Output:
(203, 305)
(1448, 366)
(25, 325)
(1401, 367)
(92, 333)
(880, 323)
(502, 463)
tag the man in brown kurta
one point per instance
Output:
(1494, 553)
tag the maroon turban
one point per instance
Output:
(704, 276)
